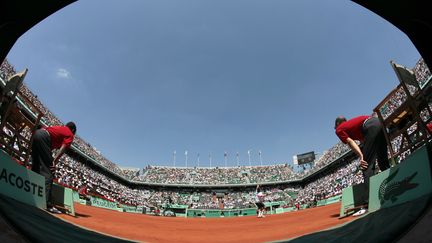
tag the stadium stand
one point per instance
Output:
(80, 168)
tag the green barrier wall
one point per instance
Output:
(180, 210)
(353, 196)
(75, 196)
(21, 184)
(279, 210)
(334, 199)
(288, 209)
(273, 206)
(219, 213)
(347, 200)
(322, 202)
(408, 180)
(101, 203)
(130, 209)
(213, 213)
(63, 197)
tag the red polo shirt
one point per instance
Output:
(351, 129)
(60, 135)
(429, 127)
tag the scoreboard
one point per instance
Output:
(305, 158)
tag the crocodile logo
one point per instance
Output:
(390, 190)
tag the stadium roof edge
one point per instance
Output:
(18, 16)
(411, 17)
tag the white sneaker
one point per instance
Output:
(54, 210)
(360, 212)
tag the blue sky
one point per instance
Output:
(144, 78)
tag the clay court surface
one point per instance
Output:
(146, 228)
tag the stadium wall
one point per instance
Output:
(409, 180)
(216, 213)
(20, 183)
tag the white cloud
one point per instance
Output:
(63, 73)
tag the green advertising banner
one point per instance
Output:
(101, 203)
(404, 182)
(21, 184)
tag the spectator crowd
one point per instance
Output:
(216, 175)
(422, 72)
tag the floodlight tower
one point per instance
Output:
(225, 157)
(260, 157)
(198, 158)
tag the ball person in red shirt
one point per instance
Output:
(44, 141)
(429, 127)
(368, 130)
